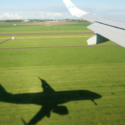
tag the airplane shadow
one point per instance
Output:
(49, 99)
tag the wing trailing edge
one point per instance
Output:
(114, 34)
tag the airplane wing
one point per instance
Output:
(105, 28)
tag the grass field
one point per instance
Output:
(42, 28)
(71, 65)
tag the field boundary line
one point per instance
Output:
(8, 34)
(5, 41)
(59, 47)
(53, 37)
(49, 37)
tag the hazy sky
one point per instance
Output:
(55, 9)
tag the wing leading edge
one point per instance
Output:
(105, 28)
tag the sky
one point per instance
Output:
(56, 9)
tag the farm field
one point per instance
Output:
(43, 23)
(66, 63)
(41, 28)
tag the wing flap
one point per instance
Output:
(114, 34)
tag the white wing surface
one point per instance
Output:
(105, 28)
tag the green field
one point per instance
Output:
(41, 28)
(99, 68)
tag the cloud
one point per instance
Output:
(42, 16)
(117, 13)
(11, 16)
(50, 14)
(1, 16)
(54, 14)
(104, 11)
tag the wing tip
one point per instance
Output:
(24, 121)
(74, 10)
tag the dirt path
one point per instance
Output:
(9, 34)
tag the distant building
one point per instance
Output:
(47, 24)
(25, 20)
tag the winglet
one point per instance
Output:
(74, 10)
(24, 122)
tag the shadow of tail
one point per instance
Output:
(4, 95)
(3, 92)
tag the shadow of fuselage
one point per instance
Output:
(48, 99)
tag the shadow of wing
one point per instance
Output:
(44, 111)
